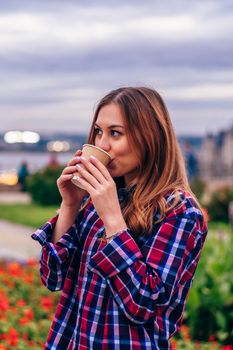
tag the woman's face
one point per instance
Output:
(110, 135)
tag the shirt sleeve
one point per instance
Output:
(142, 280)
(55, 258)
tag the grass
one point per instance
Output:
(35, 215)
(32, 215)
(218, 226)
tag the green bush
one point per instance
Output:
(210, 304)
(219, 204)
(42, 186)
(198, 187)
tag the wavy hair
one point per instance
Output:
(162, 168)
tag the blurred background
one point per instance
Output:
(57, 59)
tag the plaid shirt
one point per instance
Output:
(128, 294)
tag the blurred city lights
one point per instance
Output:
(21, 137)
(58, 146)
(8, 178)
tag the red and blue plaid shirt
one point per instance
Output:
(128, 294)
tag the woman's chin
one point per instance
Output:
(114, 172)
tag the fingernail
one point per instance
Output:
(92, 157)
(78, 166)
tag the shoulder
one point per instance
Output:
(186, 207)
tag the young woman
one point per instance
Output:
(124, 250)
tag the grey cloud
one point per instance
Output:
(226, 105)
(162, 63)
(201, 55)
(178, 6)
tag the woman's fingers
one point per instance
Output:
(78, 153)
(92, 169)
(64, 178)
(102, 168)
(69, 170)
(85, 185)
(76, 158)
(87, 176)
(74, 161)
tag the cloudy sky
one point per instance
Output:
(58, 57)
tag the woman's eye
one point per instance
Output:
(115, 133)
(97, 131)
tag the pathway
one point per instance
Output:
(15, 240)
(16, 243)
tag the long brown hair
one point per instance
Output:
(162, 168)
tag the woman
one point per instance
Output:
(124, 250)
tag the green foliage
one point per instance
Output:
(198, 187)
(210, 304)
(42, 186)
(219, 203)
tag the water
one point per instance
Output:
(11, 161)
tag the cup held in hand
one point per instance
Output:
(87, 152)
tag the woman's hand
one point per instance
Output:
(98, 182)
(71, 194)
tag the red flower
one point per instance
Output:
(4, 302)
(3, 336)
(2, 271)
(173, 344)
(184, 331)
(32, 262)
(23, 321)
(21, 303)
(15, 269)
(13, 337)
(2, 347)
(212, 338)
(29, 314)
(47, 303)
(25, 336)
(29, 278)
(31, 343)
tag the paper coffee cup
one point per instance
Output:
(87, 152)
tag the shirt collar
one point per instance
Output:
(124, 192)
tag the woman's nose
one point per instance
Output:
(103, 143)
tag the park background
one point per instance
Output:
(57, 59)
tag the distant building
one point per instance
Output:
(216, 156)
(190, 146)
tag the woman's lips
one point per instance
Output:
(111, 163)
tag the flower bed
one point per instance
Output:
(27, 309)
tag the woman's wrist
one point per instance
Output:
(107, 238)
(113, 226)
(66, 218)
(71, 206)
